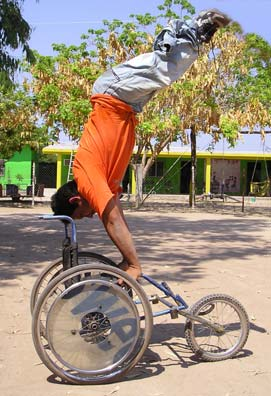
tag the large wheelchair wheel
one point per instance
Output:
(232, 332)
(56, 267)
(95, 332)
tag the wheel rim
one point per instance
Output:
(138, 326)
(56, 267)
(212, 342)
(53, 270)
(92, 327)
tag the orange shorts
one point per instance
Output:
(104, 150)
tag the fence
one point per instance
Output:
(18, 188)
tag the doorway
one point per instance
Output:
(253, 174)
(47, 174)
(185, 177)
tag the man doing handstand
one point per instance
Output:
(108, 138)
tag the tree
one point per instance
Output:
(252, 95)
(19, 122)
(62, 87)
(62, 84)
(14, 34)
(18, 113)
(218, 95)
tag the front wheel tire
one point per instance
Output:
(211, 345)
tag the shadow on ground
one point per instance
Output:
(169, 246)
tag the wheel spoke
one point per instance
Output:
(93, 328)
(225, 311)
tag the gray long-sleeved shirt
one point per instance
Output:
(137, 80)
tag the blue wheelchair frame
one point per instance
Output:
(71, 244)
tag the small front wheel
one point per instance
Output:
(232, 331)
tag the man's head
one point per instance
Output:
(67, 201)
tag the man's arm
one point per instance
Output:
(117, 229)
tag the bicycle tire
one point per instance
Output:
(56, 267)
(56, 349)
(205, 342)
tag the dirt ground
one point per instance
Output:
(197, 253)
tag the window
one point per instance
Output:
(157, 169)
(2, 167)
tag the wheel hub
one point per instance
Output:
(96, 327)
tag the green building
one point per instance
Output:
(17, 171)
(245, 169)
(234, 171)
(16, 174)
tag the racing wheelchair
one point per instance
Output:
(92, 322)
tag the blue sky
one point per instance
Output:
(62, 21)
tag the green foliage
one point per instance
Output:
(175, 8)
(19, 123)
(14, 34)
(249, 95)
(61, 86)
(221, 89)
(258, 82)
(230, 129)
(144, 20)
(49, 96)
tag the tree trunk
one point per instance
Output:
(192, 196)
(139, 184)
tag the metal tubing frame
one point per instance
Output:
(67, 219)
(69, 242)
(180, 303)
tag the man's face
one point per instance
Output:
(83, 209)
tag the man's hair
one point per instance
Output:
(60, 200)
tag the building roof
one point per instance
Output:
(249, 143)
(249, 146)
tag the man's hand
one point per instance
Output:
(134, 272)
